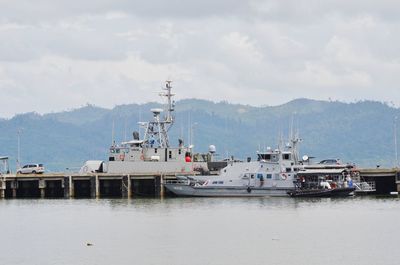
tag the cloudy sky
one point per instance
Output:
(58, 55)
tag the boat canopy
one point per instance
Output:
(333, 171)
(133, 142)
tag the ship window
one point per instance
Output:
(220, 182)
(155, 150)
(252, 176)
(286, 156)
(170, 154)
(215, 182)
(260, 176)
(288, 169)
(269, 176)
(180, 151)
(265, 156)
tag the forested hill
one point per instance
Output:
(362, 133)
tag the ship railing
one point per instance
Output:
(365, 186)
(178, 181)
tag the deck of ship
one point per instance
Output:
(386, 179)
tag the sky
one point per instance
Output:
(60, 55)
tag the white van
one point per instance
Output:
(31, 169)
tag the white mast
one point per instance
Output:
(112, 133)
(395, 142)
(156, 134)
(19, 149)
(169, 118)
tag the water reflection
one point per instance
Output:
(200, 231)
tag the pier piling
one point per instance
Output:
(3, 186)
(126, 186)
(42, 188)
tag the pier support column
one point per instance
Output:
(71, 189)
(398, 179)
(95, 187)
(126, 186)
(162, 191)
(14, 187)
(42, 187)
(159, 187)
(129, 186)
(3, 187)
(66, 186)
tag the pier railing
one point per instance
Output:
(178, 181)
(365, 186)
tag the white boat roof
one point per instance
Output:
(331, 171)
(133, 142)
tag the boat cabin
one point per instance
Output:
(329, 178)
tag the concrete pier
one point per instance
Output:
(386, 180)
(103, 185)
(99, 185)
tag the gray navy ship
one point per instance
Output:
(273, 174)
(153, 153)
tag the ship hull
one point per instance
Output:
(201, 191)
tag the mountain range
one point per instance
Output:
(360, 132)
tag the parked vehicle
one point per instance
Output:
(31, 169)
(330, 162)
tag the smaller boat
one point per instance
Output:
(323, 182)
(322, 192)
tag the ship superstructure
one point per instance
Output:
(154, 153)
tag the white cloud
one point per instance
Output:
(253, 52)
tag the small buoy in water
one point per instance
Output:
(89, 244)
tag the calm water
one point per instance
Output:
(200, 231)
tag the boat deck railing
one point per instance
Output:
(178, 181)
(365, 186)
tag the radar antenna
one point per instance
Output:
(169, 117)
(156, 131)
